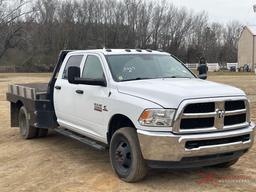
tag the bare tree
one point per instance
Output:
(38, 34)
(231, 35)
(10, 26)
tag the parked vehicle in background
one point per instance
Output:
(232, 69)
(145, 106)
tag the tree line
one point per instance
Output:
(33, 32)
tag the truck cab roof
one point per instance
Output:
(119, 51)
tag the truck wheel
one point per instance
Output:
(226, 164)
(42, 132)
(26, 131)
(125, 155)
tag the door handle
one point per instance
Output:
(58, 87)
(79, 92)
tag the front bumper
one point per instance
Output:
(166, 146)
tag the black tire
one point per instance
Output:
(226, 164)
(26, 131)
(42, 132)
(125, 155)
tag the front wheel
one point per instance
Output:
(125, 155)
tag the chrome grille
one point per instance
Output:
(213, 116)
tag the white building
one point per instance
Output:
(247, 47)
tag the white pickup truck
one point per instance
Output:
(145, 106)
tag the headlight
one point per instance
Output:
(157, 117)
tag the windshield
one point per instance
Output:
(146, 66)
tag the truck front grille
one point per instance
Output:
(235, 119)
(197, 123)
(200, 108)
(234, 105)
(214, 116)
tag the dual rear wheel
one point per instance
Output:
(27, 131)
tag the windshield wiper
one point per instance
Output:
(136, 79)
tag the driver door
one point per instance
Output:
(64, 95)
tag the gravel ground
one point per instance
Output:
(57, 163)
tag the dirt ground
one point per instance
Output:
(57, 163)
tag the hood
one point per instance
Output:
(169, 93)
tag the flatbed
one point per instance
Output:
(35, 98)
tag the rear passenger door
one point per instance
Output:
(92, 107)
(64, 94)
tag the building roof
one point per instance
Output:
(252, 29)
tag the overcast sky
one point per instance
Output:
(223, 10)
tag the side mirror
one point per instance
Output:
(203, 76)
(73, 74)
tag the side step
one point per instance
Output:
(81, 138)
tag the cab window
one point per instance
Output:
(73, 61)
(93, 68)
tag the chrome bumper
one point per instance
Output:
(163, 146)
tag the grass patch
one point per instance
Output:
(231, 73)
(227, 73)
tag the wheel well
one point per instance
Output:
(118, 121)
(19, 104)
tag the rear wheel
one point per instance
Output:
(125, 155)
(226, 164)
(26, 131)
